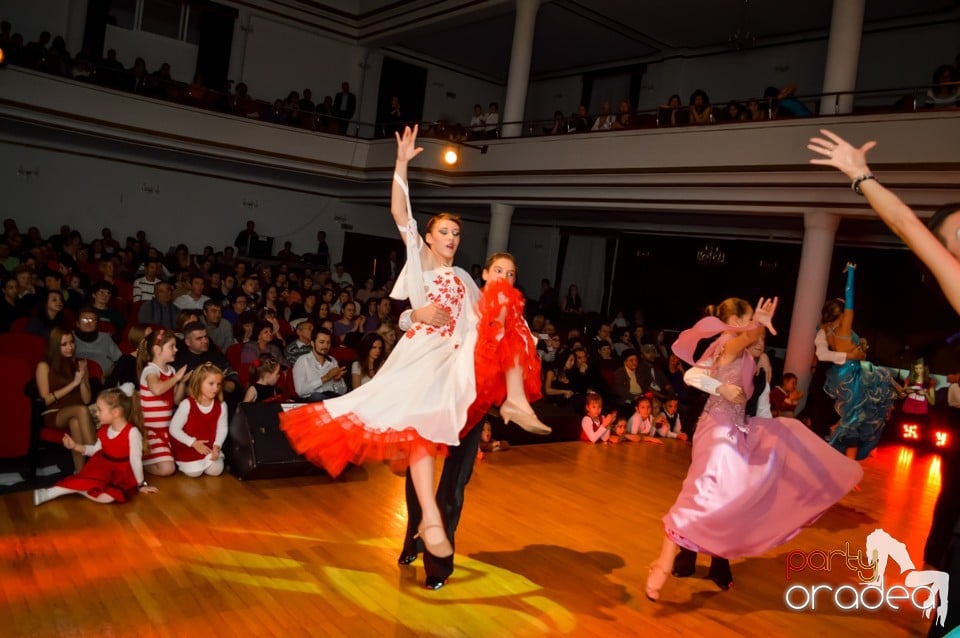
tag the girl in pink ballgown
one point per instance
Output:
(753, 483)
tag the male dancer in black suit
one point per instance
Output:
(457, 468)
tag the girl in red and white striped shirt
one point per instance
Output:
(161, 388)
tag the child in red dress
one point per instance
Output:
(199, 427)
(115, 470)
(161, 388)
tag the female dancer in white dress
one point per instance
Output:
(417, 404)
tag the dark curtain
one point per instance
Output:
(216, 38)
(609, 255)
(409, 84)
(95, 29)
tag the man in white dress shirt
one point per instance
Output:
(318, 376)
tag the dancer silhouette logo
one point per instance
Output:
(921, 589)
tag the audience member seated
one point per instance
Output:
(603, 336)
(126, 369)
(492, 121)
(106, 314)
(302, 343)
(626, 382)
(348, 322)
(264, 375)
(641, 422)
(263, 344)
(160, 310)
(388, 330)
(558, 126)
(753, 112)
(649, 374)
(144, 287)
(26, 289)
(607, 363)
(370, 356)
(622, 341)
(94, 345)
(700, 110)
(488, 444)
(672, 113)
(618, 433)
(548, 348)
(945, 91)
(183, 318)
(572, 303)
(782, 103)
(605, 120)
(218, 329)
(339, 277)
(667, 424)
(785, 397)
(197, 351)
(194, 299)
(48, 316)
(237, 306)
(675, 372)
(63, 383)
(585, 375)
(625, 118)
(580, 121)
(317, 376)
(595, 428)
(243, 328)
(10, 309)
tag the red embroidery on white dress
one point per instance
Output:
(448, 293)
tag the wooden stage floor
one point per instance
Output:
(554, 541)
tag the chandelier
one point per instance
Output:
(742, 38)
(711, 255)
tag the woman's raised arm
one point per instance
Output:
(406, 150)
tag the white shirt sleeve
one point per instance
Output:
(763, 404)
(824, 353)
(406, 319)
(301, 376)
(593, 433)
(699, 377)
(136, 454)
(90, 450)
(222, 425)
(178, 421)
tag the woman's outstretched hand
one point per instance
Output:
(840, 154)
(764, 313)
(407, 144)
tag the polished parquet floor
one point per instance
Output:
(555, 541)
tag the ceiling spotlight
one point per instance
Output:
(450, 156)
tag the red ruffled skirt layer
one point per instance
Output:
(499, 347)
(335, 442)
(102, 476)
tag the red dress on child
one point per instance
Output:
(157, 411)
(108, 471)
(200, 425)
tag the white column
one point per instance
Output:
(843, 55)
(820, 229)
(519, 76)
(499, 236)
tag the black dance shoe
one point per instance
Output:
(720, 573)
(435, 582)
(407, 556)
(685, 563)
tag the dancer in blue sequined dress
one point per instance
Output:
(863, 392)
